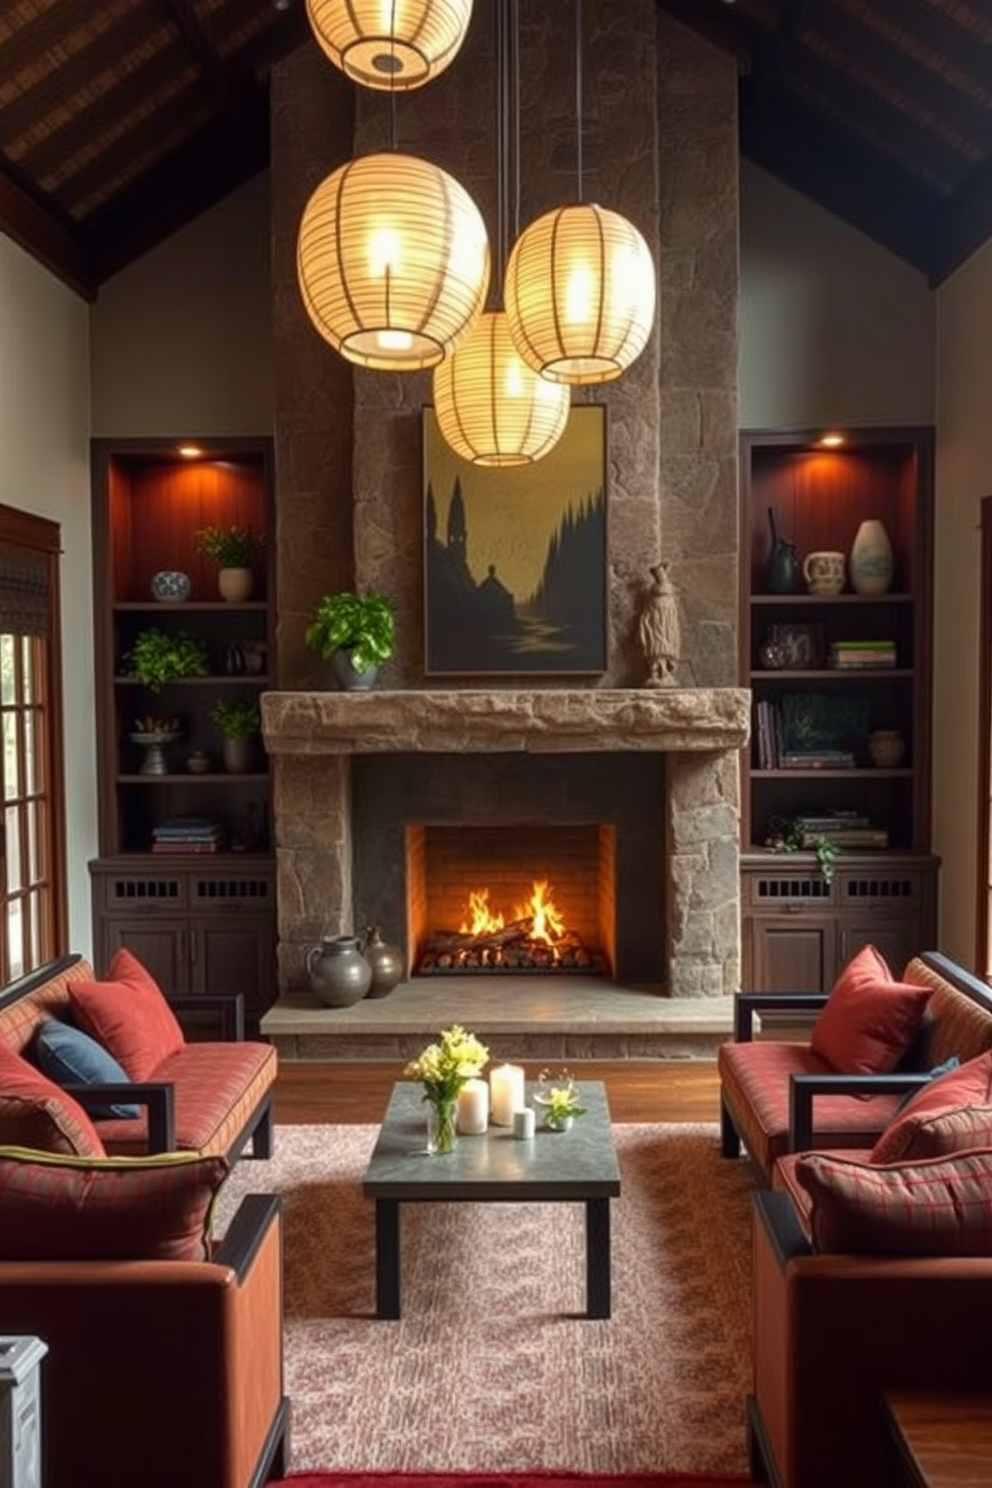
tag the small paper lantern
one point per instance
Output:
(491, 408)
(393, 261)
(580, 294)
(390, 44)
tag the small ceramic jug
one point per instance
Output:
(339, 973)
(824, 572)
(782, 574)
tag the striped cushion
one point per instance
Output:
(50, 1000)
(216, 1087)
(938, 1206)
(951, 1113)
(106, 1209)
(34, 1112)
(129, 1015)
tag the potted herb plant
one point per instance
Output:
(237, 722)
(160, 656)
(356, 632)
(559, 1098)
(233, 549)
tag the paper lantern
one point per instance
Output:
(390, 44)
(393, 261)
(491, 408)
(580, 294)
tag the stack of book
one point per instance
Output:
(842, 828)
(818, 759)
(852, 655)
(189, 834)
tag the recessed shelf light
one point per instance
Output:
(831, 441)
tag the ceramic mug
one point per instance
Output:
(824, 572)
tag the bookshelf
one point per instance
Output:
(841, 693)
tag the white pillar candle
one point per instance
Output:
(506, 1093)
(473, 1108)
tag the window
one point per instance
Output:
(32, 828)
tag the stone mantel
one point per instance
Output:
(521, 721)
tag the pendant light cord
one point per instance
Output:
(501, 40)
(578, 94)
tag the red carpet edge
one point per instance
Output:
(509, 1480)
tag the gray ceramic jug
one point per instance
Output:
(339, 973)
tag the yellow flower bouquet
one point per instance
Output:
(443, 1068)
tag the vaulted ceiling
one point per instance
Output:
(122, 120)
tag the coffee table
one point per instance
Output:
(556, 1167)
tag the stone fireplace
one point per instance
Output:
(356, 775)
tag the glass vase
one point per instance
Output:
(441, 1126)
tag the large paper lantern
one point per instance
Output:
(393, 261)
(580, 294)
(390, 44)
(491, 408)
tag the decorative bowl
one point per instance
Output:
(170, 586)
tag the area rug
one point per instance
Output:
(493, 1367)
(510, 1480)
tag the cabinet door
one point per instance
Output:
(161, 945)
(793, 953)
(235, 954)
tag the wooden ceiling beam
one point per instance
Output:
(77, 75)
(219, 158)
(852, 181)
(198, 43)
(45, 237)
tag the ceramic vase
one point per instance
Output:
(385, 960)
(339, 974)
(870, 564)
(237, 755)
(235, 584)
(345, 676)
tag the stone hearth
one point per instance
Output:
(694, 733)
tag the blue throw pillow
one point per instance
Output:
(939, 1069)
(69, 1056)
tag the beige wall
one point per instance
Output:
(964, 476)
(182, 339)
(44, 469)
(833, 328)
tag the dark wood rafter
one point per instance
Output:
(879, 110)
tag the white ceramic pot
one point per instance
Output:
(870, 565)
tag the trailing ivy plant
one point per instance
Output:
(785, 835)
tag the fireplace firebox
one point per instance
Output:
(431, 830)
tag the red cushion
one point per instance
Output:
(106, 1209)
(951, 1113)
(868, 1021)
(939, 1206)
(129, 1015)
(35, 1112)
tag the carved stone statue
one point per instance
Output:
(658, 629)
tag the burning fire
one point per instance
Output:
(538, 918)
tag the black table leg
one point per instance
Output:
(598, 1258)
(387, 1258)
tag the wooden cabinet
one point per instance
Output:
(201, 915)
(810, 764)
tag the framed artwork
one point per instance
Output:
(515, 559)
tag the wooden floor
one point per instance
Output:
(638, 1090)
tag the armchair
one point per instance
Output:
(161, 1372)
(833, 1332)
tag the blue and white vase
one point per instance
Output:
(870, 565)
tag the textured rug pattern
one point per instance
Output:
(492, 1366)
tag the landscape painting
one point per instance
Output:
(515, 559)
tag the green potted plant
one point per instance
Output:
(356, 632)
(237, 722)
(233, 549)
(160, 656)
(560, 1100)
